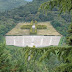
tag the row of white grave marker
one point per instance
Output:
(37, 41)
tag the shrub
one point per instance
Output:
(26, 26)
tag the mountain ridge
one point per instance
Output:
(10, 4)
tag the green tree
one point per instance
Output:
(64, 53)
(69, 37)
(4, 62)
(63, 6)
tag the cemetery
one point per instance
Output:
(39, 34)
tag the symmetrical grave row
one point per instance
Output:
(37, 41)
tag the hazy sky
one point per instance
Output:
(28, 0)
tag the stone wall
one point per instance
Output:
(38, 41)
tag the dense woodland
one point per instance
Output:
(47, 59)
(10, 4)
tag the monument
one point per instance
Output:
(39, 35)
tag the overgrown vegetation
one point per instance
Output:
(61, 28)
(46, 59)
(69, 37)
(62, 41)
(64, 6)
(4, 61)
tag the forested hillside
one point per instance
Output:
(9, 19)
(46, 59)
(10, 4)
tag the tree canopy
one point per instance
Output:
(63, 5)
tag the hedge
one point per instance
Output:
(26, 26)
(38, 27)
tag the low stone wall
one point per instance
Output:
(37, 41)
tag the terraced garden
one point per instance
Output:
(43, 28)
